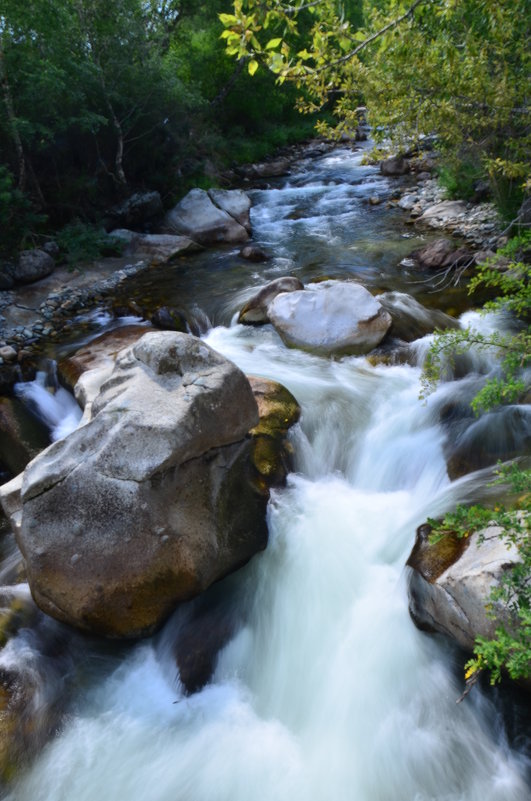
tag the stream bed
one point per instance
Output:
(326, 691)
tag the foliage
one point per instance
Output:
(510, 649)
(510, 278)
(100, 99)
(508, 275)
(80, 242)
(457, 67)
(17, 218)
(459, 176)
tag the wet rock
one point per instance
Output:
(477, 443)
(374, 200)
(152, 499)
(333, 317)
(22, 437)
(412, 320)
(33, 691)
(253, 253)
(395, 165)
(99, 353)
(197, 217)
(278, 411)
(170, 319)
(440, 254)
(451, 582)
(255, 311)
(200, 640)
(9, 375)
(32, 266)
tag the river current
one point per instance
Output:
(327, 691)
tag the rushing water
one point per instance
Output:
(327, 690)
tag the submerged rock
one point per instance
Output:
(332, 317)
(451, 582)
(152, 499)
(412, 320)
(253, 253)
(255, 311)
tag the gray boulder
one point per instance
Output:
(255, 310)
(333, 317)
(155, 248)
(267, 169)
(152, 499)
(442, 213)
(235, 202)
(199, 218)
(451, 582)
(32, 266)
(395, 165)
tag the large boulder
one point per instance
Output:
(151, 500)
(235, 202)
(198, 217)
(155, 248)
(137, 209)
(332, 317)
(394, 165)
(451, 582)
(32, 266)
(255, 310)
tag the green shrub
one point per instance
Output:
(81, 242)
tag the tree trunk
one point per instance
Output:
(11, 116)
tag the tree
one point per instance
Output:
(458, 68)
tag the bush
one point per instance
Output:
(80, 242)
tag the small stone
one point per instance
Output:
(8, 354)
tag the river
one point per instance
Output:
(327, 691)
